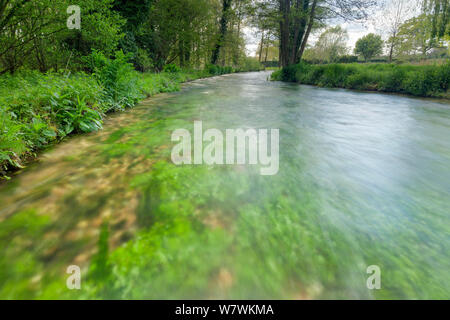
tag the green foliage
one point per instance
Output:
(171, 68)
(45, 42)
(216, 70)
(425, 81)
(249, 64)
(117, 77)
(277, 75)
(369, 46)
(332, 44)
(78, 116)
(37, 109)
(347, 59)
(142, 61)
(289, 73)
(413, 38)
(11, 142)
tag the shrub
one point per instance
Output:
(216, 70)
(37, 109)
(347, 59)
(426, 81)
(142, 61)
(333, 76)
(276, 75)
(249, 64)
(313, 75)
(11, 142)
(393, 81)
(171, 68)
(213, 69)
(118, 78)
(362, 80)
(289, 73)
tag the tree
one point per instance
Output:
(438, 12)
(389, 20)
(331, 44)
(264, 17)
(34, 33)
(369, 46)
(298, 17)
(178, 31)
(226, 6)
(414, 37)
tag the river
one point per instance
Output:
(363, 180)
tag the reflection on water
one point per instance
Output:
(364, 180)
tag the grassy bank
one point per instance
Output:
(421, 81)
(40, 109)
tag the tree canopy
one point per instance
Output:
(369, 46)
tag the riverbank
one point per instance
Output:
(37, 110)
(420, 81)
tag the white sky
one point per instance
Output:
(355, 30)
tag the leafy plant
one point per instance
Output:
(171, 68)
(79, 117)
(11, 142)
(118, 78)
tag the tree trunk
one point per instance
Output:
(299, 29)
(294, 32)
(237, 50)
(267, 53)
(223, 30)
(261, 46)
(285, 6)
(308, 30)
(391, 52)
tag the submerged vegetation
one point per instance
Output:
(423, 81)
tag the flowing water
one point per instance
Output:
(364, 179)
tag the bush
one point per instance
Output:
(334, 75)
(392, 81)
(362, 80)
(118, 79)
(347, 59)
(289, 73)
(171, 68)
(425, 81)
(276, 75)
(249, 64)
(37, 109)
(142, 61)
(11, 142)
(216, 70)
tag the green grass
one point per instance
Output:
(422, 81)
